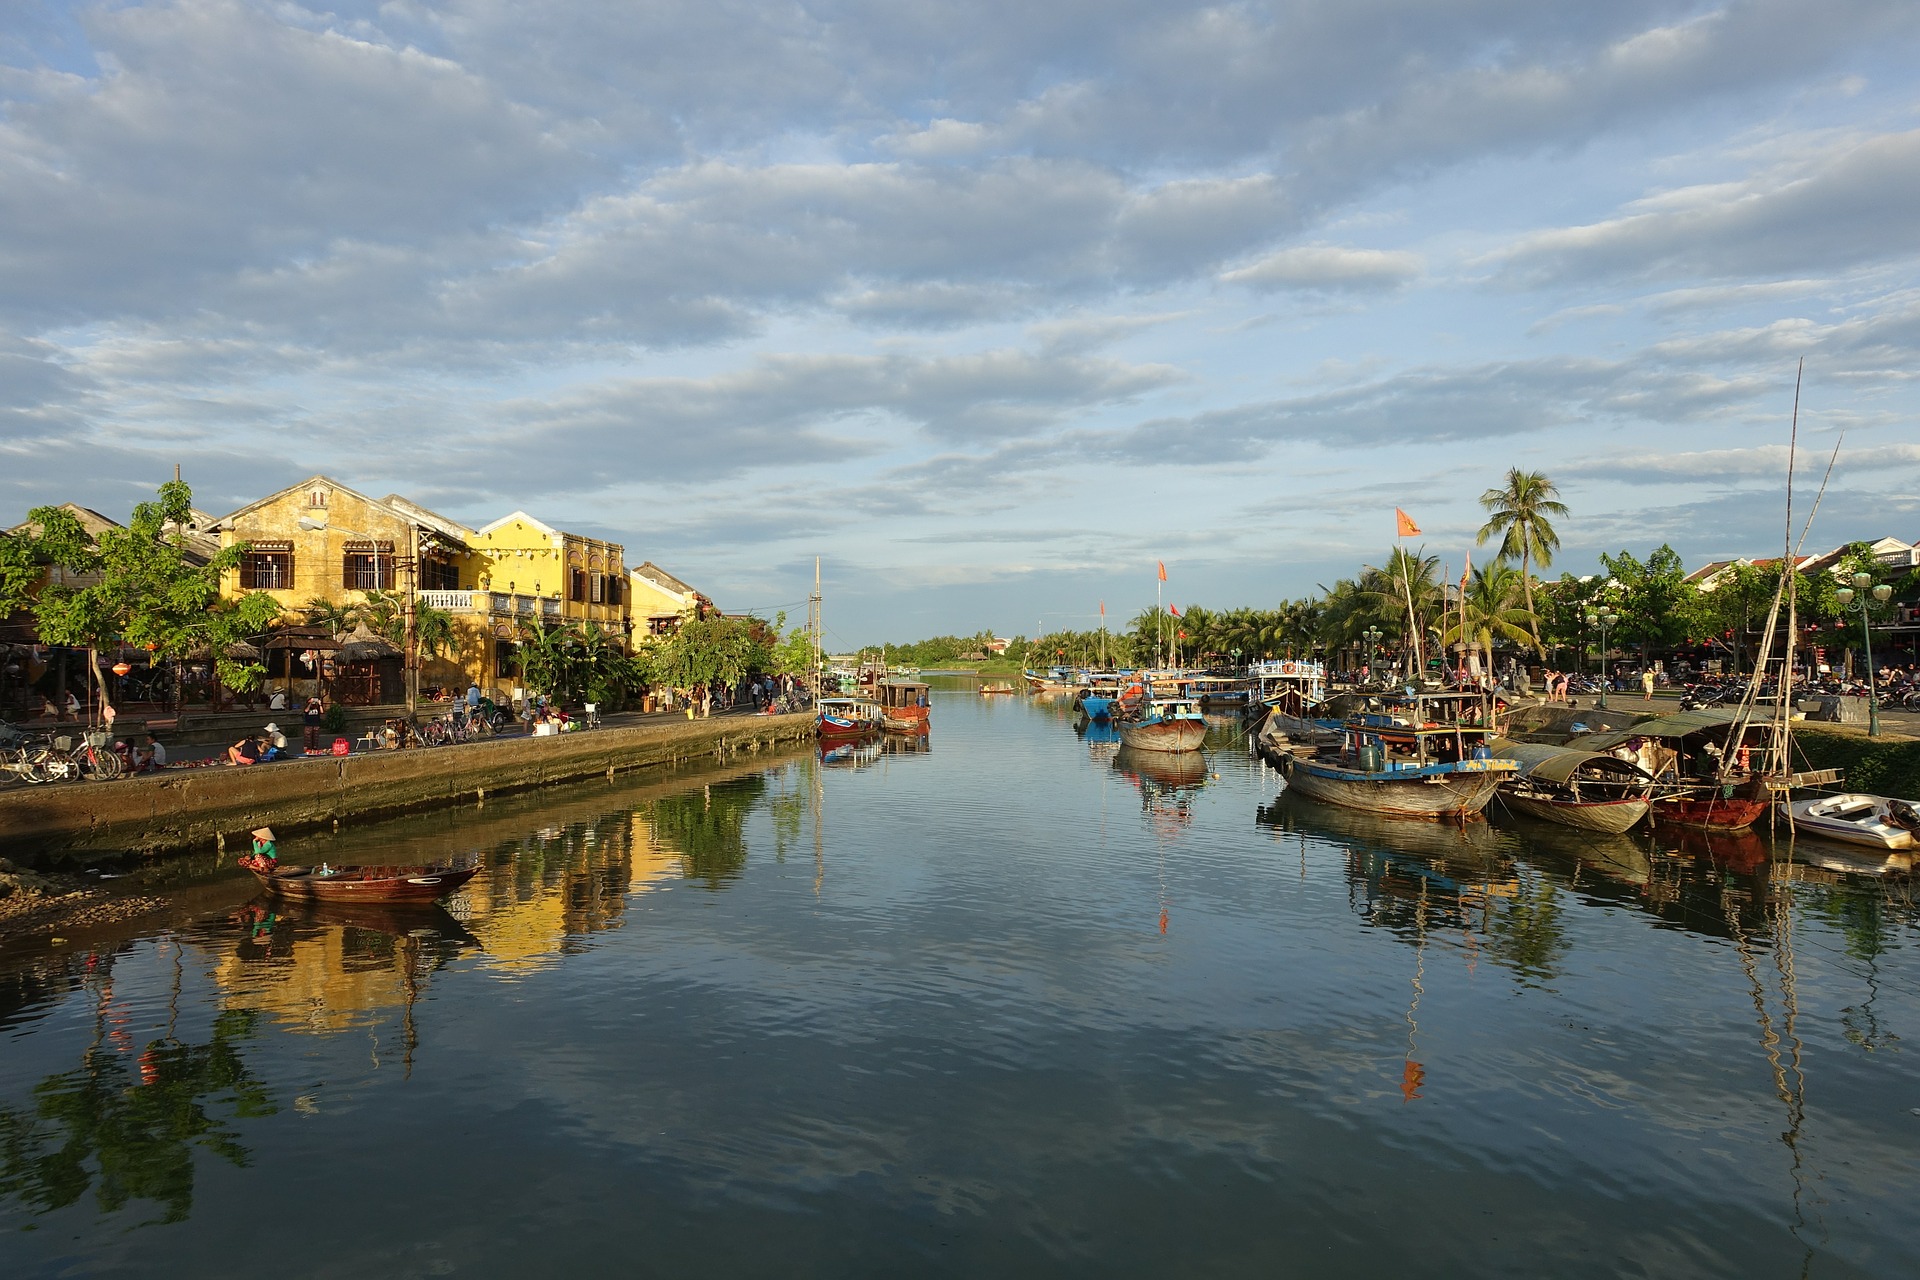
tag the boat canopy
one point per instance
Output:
(1669, 728)
(1558, 764)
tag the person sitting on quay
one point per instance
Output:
(245, 751)
(151, 758)
(273, 743)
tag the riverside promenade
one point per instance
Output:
(182, 809)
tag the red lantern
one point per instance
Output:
(121, 668)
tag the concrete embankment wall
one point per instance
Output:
(189, 808)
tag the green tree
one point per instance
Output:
(1564, 606)
(1656, 603)
(336, 617)
(711, 648)
(1519, 514)
(20, 569)
(132, 1135)
(145, 589)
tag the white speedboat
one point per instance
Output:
(1857, 818)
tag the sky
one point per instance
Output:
(990, 305)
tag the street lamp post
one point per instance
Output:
(1373, 635)
(1236, 660)
(1845, 595)
(1604, 620)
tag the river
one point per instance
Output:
(1015, 1004)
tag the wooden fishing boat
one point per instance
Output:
(1586, 789)
(997, 686)
(390, 885)
(1456, 790)
(847, 719)
(1708, 764)
(1854, 817)
(1416, 758)
(903, 706)
(1165, 724)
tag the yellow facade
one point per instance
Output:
(658, 600)
(319, 540)
(583, 579)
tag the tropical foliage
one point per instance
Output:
(575, 663)
(142, 588)
(1519, 515)
(705, 649)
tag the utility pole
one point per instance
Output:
(412, 639)
(815, 626)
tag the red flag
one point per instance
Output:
(1183, 635)
(1163, 569)
(1408, 529)
(1103, 608)
(1174, 609)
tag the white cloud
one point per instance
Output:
(1852, 204)
(1325, 266)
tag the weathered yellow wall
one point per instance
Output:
(318, 554)
(520, 557)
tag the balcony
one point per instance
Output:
(495, 603)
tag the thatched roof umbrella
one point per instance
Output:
(364, 646)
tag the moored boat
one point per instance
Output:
(389, 885)
(1709, 764)
(1878, 822)
(1418, 758)
(1586, 789)
(1165, 724)
(903, 706)
(847, 719)
(997, 686)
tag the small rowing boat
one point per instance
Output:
(364, 884)
(1591, 790)
(996, 686)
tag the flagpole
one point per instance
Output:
(1401, 522)
(1159, 626)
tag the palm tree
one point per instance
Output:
(336, 617)
(1518, 513)
(1491, 610)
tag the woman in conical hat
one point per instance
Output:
(266, 852)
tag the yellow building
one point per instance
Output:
(321, 541)
(660, 601)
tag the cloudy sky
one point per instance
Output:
(990, 304)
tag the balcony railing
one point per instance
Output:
(510, 604)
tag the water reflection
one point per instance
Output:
(321, 968)
(127, 1126)
(1167, 782)
(972, 1038)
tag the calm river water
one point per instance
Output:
(1017, 1004)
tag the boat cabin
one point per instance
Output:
(898, 694)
